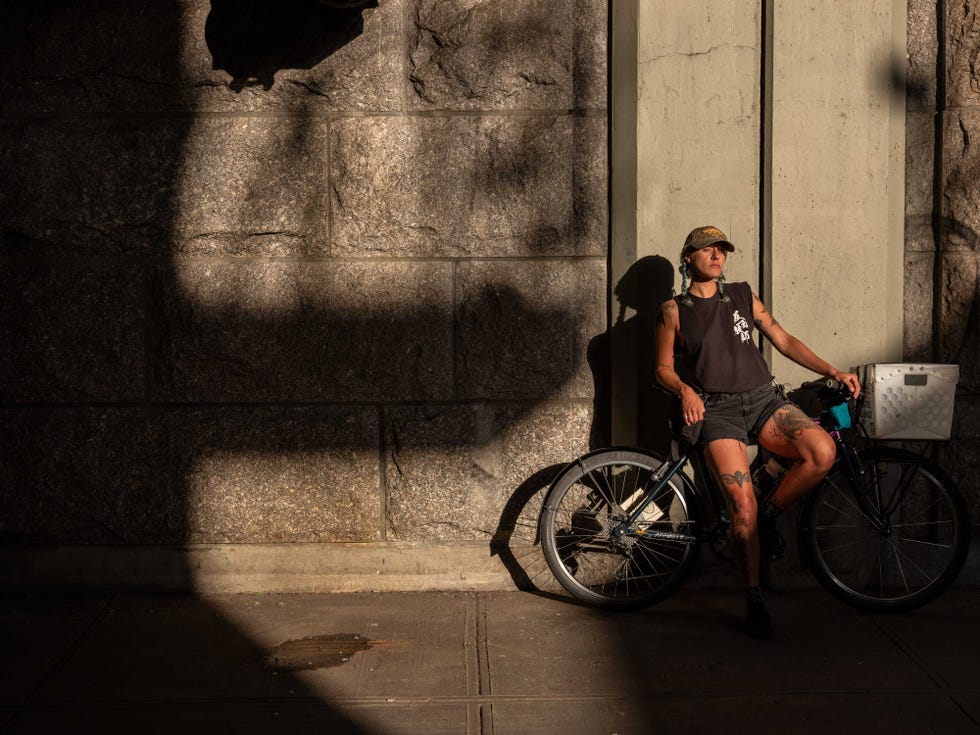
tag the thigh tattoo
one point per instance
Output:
(790, 422)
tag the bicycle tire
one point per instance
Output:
(916, 552)
(583, 507)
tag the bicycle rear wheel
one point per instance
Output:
(898, 551)
(599, 559)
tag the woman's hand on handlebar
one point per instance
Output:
(692, 407)
(848, 379)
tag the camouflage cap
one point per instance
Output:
(702, 237)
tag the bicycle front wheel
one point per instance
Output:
(893, 543)
(600, 558)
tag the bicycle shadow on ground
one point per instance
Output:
(516, 541)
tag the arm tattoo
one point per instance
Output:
(790, 422)
(766, 320)
(738, 478)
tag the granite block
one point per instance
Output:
(918, 307)
(590, 178)
(202, 55)
(252, 186)
(88, 476)
(546, 54)
(960, 317)
(590, 53)
(71, 331)
(468, 186)
(962, 54)
(331, 331)
(78, 56)
(919, 234)
(452, 471)
(267, 475)
(960, 457)
(524, 327)
(920, 155)
(961, 196)
(88, 186)
(921, 44)
(154, 475)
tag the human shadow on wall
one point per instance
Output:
(253, 39)
(643, 288)
(646, 284)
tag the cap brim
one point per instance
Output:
(700, 246)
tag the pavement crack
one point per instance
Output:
(910, 655)
(483, 658)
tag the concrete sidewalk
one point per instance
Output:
(502, 663)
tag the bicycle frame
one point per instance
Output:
(661, 477)
(846, 455)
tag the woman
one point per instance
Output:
(731, 398)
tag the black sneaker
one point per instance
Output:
(771, 541)
(757, 623)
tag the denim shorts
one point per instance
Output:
(739, 416)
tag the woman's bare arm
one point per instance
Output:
(796, 351)
(668, 332)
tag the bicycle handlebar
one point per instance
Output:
(828, 385)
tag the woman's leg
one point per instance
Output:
(729, 460)
(791, 433)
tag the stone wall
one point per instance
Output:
(283, 272)
(942, 243)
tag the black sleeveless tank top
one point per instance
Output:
(718, 346)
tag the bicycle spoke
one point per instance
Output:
(608, 496)
(904, 480)
(927, 543)
(912, 563)
(901, 569)
(847, 545)
(850, 502)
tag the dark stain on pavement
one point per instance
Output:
(317, 652)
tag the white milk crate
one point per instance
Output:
(906, 401)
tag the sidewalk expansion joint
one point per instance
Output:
(401, 701)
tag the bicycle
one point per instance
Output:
(885, 531)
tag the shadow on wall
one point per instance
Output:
(131, 375)
(123, 398)
(643, 288)
(252, 39)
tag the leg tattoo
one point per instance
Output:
(738, 478)
(790, 422)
